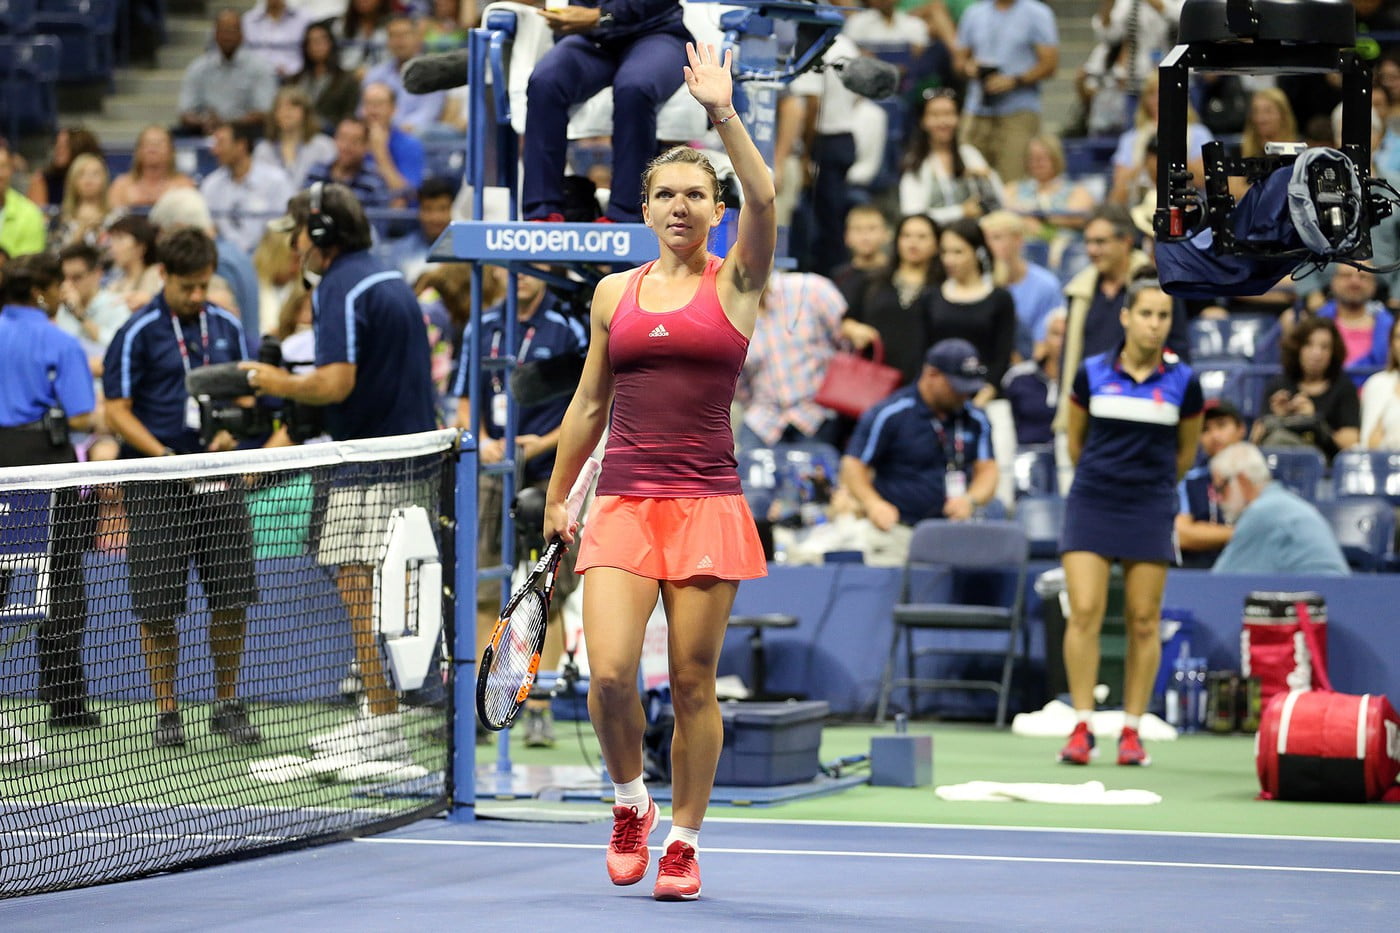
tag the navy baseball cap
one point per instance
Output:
(957, 360)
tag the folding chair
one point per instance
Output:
(972, 552)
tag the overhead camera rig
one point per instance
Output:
(1263, 37)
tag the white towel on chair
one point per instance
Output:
(1090, 792)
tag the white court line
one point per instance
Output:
(1077, 830)
(916, 856)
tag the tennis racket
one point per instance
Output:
(511, 660)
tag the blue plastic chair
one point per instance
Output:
(1365, 528)
(1300, 469)
(1367, 473)
(1034, 472)
(759, 477)
(1042, 517)
(28, 71)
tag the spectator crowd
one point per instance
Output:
(951, 228)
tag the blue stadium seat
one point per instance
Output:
(28, 70)
(445, 159)
(1298, 468)
(1365, 528)
(86, 30)
(1367, 473)
(759, 477)
(16, 17)
(1232, 338)
(1034, 472)
(1089, 155)
(1072, 260)
(1042, 517)
(1037, 251)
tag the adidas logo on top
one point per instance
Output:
(659, 331)
(705, 563)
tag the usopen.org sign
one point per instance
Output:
(546, 242)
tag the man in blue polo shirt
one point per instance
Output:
(544, 330)
(373, 374)
(143, 379)
(924, 452)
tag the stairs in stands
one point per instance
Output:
(1076, 41)
(147, 92)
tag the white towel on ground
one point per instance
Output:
(1090, 792)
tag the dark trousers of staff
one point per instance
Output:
(62, 681)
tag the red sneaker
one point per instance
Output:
(604, 219)
(555, 218)
(628, 855)
(678, 878)
(1080, 747)
(1130, 750)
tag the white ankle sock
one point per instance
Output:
(690, 837)
(1131, 722)
(1083, 715)
(631, 794)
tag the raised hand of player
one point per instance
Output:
(708, 79)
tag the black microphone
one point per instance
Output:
(438, 71)
(868, 77)
(220, 380)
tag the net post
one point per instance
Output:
(462, 806)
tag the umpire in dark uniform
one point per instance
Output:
(46, 389)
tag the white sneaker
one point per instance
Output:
(369, 738)
(16, 747)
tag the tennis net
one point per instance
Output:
(210, 656)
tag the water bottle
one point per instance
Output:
(1202, 699)
(1192, 671)
(1178, 690)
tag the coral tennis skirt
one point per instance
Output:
(673, 539)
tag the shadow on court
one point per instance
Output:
(762, 875)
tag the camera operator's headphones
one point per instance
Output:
(320, 226)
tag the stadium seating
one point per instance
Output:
(759, 477)
(1365, 528)
(86, 30)
(1301, 469)
(1367, 473)
(1034, 471)
(28, 71)
(1042, 517)
(1232, 338)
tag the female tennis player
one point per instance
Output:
(1132, 434)
(668, 341)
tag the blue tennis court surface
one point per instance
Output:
(764, 875)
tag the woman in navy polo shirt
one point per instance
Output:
(1132, 435)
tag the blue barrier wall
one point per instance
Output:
(838, 649)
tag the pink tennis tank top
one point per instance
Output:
(674, 374)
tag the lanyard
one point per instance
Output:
(497, 384)
(952, 460)
(180, 339)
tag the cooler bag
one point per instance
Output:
(1315, 745)
(1326, 746)
(1273, 648)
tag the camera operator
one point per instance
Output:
(149, 408)
(373, 375)
(45, 389)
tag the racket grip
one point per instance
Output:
(591, 468)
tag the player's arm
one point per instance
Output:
(751, 258)
(587, 414)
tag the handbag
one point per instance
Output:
(854, 383)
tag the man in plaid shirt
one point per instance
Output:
(799, 325)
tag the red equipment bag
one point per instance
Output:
(1273, 649)
(1326, 746)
